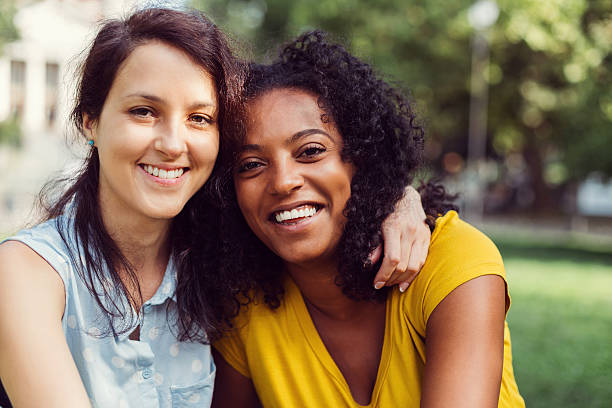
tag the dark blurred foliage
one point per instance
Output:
(550, 78)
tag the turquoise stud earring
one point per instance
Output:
(90, 142)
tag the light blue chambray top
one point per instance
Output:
(157, 371)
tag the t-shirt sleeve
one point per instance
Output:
(46, 241)
(232, 346)
(458, 254)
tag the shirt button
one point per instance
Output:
(146, 308)
(147, 373)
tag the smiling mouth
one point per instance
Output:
(163, 173)
(295, 215)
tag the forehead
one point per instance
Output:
(284, 112)
(156, 67)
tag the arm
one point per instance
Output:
(232, 389)
(406, 242)
(465, 346)
(36, 366)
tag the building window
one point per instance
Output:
(52, 81)
(18, 72)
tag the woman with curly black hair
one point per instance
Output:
(326, 152)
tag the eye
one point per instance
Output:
(311, 151)
(249, 165)
(142, 112)
(200, 119)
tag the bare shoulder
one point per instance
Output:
(12, 251)
(24, 271)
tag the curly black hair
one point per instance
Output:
(381, 137)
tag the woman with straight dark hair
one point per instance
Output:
(113, 299)
(110, 326)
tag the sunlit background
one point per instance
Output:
(516, 97)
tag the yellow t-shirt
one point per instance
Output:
(281, 351)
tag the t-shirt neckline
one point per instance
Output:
(296, 301)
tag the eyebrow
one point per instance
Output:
(307, 132)
(153, 98)
(296, 137)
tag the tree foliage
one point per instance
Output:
(8, 31)
(550, 74)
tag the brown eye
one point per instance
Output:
(312, 151)
(142, 112)
(249, 165)
(200, 119)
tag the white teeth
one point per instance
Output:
(302, 212)
(163, 174)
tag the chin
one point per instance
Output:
(164, 213)
(298, 257)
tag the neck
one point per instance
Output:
(321, 294)
(143, 241)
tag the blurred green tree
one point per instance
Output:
(10, 132)
(8, 31)
(550, 73)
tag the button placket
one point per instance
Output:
(147, 373)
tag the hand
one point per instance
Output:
(406, 242)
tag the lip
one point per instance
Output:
(160, 181)
(163, 166)
(299, 225)
(296, 226)
(291, 206)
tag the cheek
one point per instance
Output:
(246, 195)
(122, 141)
(205, 150)
(342, 176)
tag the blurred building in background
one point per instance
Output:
(541, 95)
(37, 78)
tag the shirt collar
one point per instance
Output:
(167, 288)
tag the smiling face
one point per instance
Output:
(157, 135)
(291, 183)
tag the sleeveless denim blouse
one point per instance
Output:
(156, 371)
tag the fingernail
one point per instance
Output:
(379, 285)
(403, 286)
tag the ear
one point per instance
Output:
(89, 127)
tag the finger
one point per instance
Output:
(414, 267)
(390, 259)
(375, 254)
(400, 269)
(424, 236)
(417, 258)
(405, 284)
(407, 276)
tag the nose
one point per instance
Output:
(170, 139)
(285, 179)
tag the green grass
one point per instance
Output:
(561, 324)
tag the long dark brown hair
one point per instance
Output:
(202, 306)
